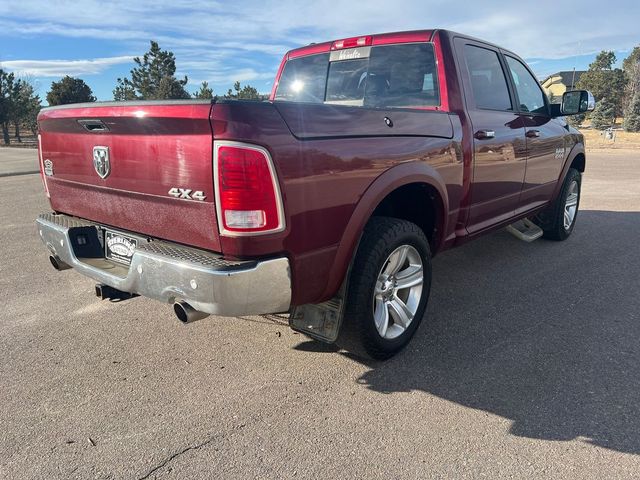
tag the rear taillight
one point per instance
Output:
(247, 194)
(42, 170)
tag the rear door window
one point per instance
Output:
(488, 82)
(385, 76)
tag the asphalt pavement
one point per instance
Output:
(526, 366)
(18, 161)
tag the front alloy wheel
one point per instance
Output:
(558, 220)
(571, 204)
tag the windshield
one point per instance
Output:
(386, 76)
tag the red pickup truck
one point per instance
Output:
(328, 201)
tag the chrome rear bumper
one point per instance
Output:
(171, 272)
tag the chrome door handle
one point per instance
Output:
(533, 133)
(484, 134)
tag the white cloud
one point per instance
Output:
(549, 29)
(240, 75)
(244, 40)
(59, 68)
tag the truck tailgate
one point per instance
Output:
(153, 148)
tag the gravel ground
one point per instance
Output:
(526, 366)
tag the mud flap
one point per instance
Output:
(321, 321)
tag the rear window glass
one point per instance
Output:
(346, 82)
(386, 76)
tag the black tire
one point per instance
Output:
(551, 220)
(381, 237)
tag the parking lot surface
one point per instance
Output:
(527, 365)
(17, 161)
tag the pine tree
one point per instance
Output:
(604, 81)
(632, 118)
(604, 114)
(205, 91)
(7, 89)
(153, 78)
(18, 105)
(26, 106)
(69, 90)
(124, 91)
(243, 93)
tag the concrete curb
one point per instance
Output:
(16, 174)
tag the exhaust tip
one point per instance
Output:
(58, 264)
(186, 313)
(181, 312)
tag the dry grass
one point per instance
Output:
(595, 139)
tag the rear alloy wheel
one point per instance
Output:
(388, 288)
(398, 292)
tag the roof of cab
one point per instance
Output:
(377, 39)
(392, 37)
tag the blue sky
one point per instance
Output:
(244, 40)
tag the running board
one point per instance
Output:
(525, 230)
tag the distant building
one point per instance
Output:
(558, 83)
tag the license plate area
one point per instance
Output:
(119, 247)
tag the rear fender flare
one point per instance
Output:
(390, 180)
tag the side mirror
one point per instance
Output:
(577, 101)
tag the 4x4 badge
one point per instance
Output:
(187, 194)
(101, 161)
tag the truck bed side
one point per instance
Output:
(326, 168)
